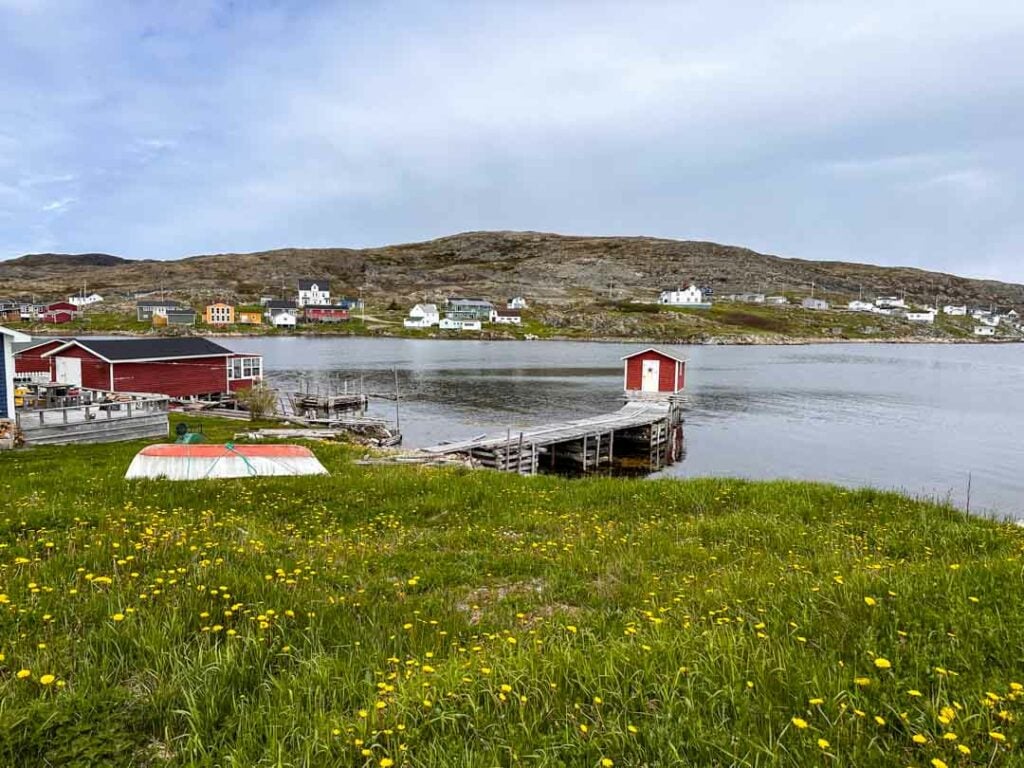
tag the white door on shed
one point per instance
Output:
(652, 372)
(69, 371)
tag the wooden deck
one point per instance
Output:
(130, 418)
(647, 434)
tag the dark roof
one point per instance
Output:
(281, 304)
(501, 312)
(160, 303)
(181, 311)
(118, 350)
(305, 285)
(25, 346)
(325, 306)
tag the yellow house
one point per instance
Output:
(219, 314)
(250, 318)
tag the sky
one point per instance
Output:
(880, 132)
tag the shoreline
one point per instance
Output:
(739, 341)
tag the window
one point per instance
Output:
(245, 368)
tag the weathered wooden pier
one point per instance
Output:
(642, 436)
(645, 435)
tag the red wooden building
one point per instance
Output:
(59, 313)
(654, 373)
(324, 313)
(180, 368)
(29, 362)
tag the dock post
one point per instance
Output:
(611, 449)
(584, 454)
(519, 456)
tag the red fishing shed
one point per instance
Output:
(653, 373)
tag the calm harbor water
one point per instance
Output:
(917, 418)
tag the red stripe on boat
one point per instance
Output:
(215, 451)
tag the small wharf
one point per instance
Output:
(645, 435)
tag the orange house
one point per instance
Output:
(219, 314)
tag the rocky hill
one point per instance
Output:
(554, 270)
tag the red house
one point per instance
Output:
(324, 313)
(29, 362)
(180, 368)
(59, 313)
(654, 373)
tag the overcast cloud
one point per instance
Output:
(870, 131)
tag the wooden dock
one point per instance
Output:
(646, 435)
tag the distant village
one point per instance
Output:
(986, 320)
(313, 304)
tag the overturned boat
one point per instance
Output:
(204, 462)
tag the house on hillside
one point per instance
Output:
(325, 313)
(463, 309)
(815, 304)
(984, 330)
(776, 301)
(506, 316)
(516, 302)
(59, 312)
(180, 316)
(10, 311)
(890, 302)
(860, 306)
(955, 310)
(691, 296)
(423, 316)
(314, 292)
(8, 338)
(188, 367)
(147, 309)
(219, 314)
(85, 300)
(281, 314)
(449, 324)
(921, 316)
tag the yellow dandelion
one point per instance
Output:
(997, 736)
(879, 720)
(883, 663)
(23, 673)
(118, 617)
(799, 722)
(607, 762)
(870, 601)
(936, 763)
(919, 738)
(963, 749)
(823, 744)
(815, 702)
(863, 682)
(386, 762)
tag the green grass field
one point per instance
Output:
(399, 616)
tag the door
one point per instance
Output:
(652, 372)
(69, 371)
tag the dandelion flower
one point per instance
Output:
(870, 601)
(995, 735)
(879, 720)
(386, 762)
(816, 702)
(863, 682)
(607, 762)
(936, 763)
(919, 738)
(823, 744)
(23, 673)
(46, 679)
(883, 663)
(963, 749)
(118, 617)
(799, 722)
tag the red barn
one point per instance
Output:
(180, 368)
(59, 313)
(654, 373)
(323, 313)
(29, 360)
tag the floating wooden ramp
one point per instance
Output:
(644, 435)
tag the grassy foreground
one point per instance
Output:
(395, 616)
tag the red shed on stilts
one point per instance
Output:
(654, 373)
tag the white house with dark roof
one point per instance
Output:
(423, 316)
(315, 292)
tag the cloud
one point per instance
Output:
(59, 206)
(824, 130)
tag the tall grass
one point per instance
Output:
(454, 618)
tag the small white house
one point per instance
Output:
(285, 318)
(448, 324)
(80, 300)
(990, 320)
(955, 310)
(984, 330)
(890, 302)
(507, 317)
(776, 301)
(922, 316)
(315, 293)
(816, 304)
(7, 339)
(751, 298)
(861, 306)
(423, 316)
(683, 297)
(516, 302)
